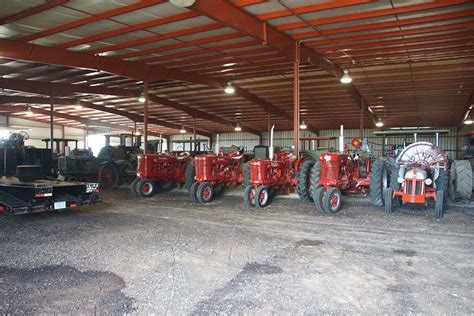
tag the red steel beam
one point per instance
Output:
(35, 10)
(93, 18)
(371, 14)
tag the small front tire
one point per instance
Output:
(332, 201)
(262, 197)
(205, 193)
(249, 196)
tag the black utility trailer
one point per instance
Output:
(18, 197)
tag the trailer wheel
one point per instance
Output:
(388, 206)
(146, 188)
(249, 195)
(193, 191)
(380, 179)
(460, 181)
(262, 196)
(189, 175)
(332, 200)
(318, 198)
(133, 187)
(205, 193)
(304, 180)
(109, 176)
(438, 211)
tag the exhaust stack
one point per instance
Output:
(341, 140)
(216, 148)
(271, 149)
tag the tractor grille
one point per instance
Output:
(332, 170)
(418, 187)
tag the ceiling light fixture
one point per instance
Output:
(379, 123)
(303, 125)
(182, 130)
(346, 78)
(141, 98)
(183, 3)
(468, 120)
(229, 89)
(29, 112)
(237, 128)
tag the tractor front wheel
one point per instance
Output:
(193, 191)
(438, 211)
(146, 188)
(205, 193)
(133, 187)
(249, 195)
(262, 197)
(332, 200)
(318, 195)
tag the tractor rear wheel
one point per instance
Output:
(304, 180)
(380, 179)
(133, 187)
(205, 193)
(147, 188)
(219, 189)
(318, 198)
(249, 196)
(438, 211)
(193, 191)
(262, 197)
(189, 175)
(246, 177)
(166, 186)
(460, 180)
(388, 205)
(332, 200)
(109, 175)
(315, 176)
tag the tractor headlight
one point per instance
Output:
(400, 180)
(428, 181)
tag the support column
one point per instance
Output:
(194, 132)
(296, 100)
(269, 125)
(361, 123)
(145, 118)
(51, 122)
(456, 156)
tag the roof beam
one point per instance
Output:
(46, 88)
(222, 11)
(135, 70)
(35, 10)
(91, 19)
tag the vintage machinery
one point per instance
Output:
(341, 172)
(422, 170)
(268, 176)
(214, 172)
(162, 172)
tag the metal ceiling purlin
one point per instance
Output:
(135, 70)
(32, 11)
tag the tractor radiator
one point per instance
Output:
(332, 168)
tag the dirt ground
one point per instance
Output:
(169, 255)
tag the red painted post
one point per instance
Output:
(296, 100)
(145, 118)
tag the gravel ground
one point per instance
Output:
(167, 255)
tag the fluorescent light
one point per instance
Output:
(346, 78)
(229, 89)
(237, 128)
(141, 98)
(183, 3)
(303, 125)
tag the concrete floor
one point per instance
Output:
(168, 255)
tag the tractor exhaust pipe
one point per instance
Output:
(271, 149)
(341, 140)
(216, 148)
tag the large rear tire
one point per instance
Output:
(133, 187)
(380, 179)
(109, 175)
(189, 175)
(304, 180)
(438, 211)
(460, 180)
(246, 177)
(388, 198)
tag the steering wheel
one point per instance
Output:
(184, 154)
(24, 135)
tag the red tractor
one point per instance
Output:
(215, 172)
(341, 172)
(268, 176)
(162, 172)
